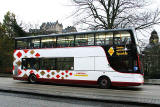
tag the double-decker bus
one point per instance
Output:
(105, 58)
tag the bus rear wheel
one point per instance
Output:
(32, 79)
(104, 83)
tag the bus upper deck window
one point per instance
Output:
(90, 39)
(81, 40)
(61, 41)
(69, 41)
(48, 42)
(100, 39)
(34, 43)
(109, 38)
(122, 38)
(104, 38)
(21, 44)
(84, 40)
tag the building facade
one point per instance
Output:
(151, 57)
(52, 27)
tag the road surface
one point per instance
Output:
(142, 94)
(20, 100)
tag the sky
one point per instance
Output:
(38, 11)
(35, 12)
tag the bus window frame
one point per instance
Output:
(95, 44)
(76, 35)
(16, 44)
(39, 61)
(30, 41)
(131, 37)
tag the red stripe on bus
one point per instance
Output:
(139, 63)
(20, 78)
(65, 81)
(58, 47)
(62, 81)
(81, 82)
(116, 83)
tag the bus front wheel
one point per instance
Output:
(32, 78)
(104, 82)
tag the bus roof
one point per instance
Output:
(75, 33)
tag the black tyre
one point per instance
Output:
(104, 82)
(32, 78)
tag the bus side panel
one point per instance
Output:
(89, 64)
(101, 64)
(84, 63)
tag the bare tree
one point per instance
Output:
(110, 14)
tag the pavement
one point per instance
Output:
(152, 81)
(81, 94)
(6, 75)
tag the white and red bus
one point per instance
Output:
(105, 58)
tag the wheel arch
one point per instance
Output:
(103, 76)
(31, 74)
(29, 77)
